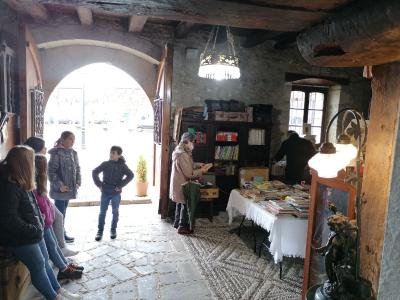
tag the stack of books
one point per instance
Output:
(279, 207)
(302, 205)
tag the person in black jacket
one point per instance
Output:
(21, 223)
(116, 175)
(297, 151)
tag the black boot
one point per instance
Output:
(99, 235)
(69, 273)
(113, 234)
(68, 239)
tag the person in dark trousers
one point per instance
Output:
(183, 169)
(297, 151)
(116, 175)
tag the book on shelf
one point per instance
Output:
(256, 137)
(226, 152)
(225, 136)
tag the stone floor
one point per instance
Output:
(147, 260)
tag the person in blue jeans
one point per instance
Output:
(21, 223)
(116, 175)
(64, 174)
(67, 270)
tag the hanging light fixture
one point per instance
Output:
(219, 65)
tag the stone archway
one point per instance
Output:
(103, 106)
(64, 48)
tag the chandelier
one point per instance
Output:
(219, 65)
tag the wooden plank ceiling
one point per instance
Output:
(278, 20)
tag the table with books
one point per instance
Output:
(279, 209)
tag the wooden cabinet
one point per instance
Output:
(246, 145)
(324, 191)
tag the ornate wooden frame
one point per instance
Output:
(335, 183)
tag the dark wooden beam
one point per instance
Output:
(213, 12)
(85, 15)
(296, 77)
(314, 5)
(29, 7)
(136, 23)
(365, 33)
(183, 29)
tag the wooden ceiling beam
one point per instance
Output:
(213, 12)
(183, 29)
(85, 15)
(136, 23)
(31, 8)
(365, 33)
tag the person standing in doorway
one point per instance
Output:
(116, 175)
(298, 151)
(183, 169)
(39, 146)
(64, 174)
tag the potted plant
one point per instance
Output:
(141, 177)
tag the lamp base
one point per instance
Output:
(361, 290)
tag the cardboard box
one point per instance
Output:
(229, 116)
(248, 173)
(209, 193)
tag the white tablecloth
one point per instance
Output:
(288, 234)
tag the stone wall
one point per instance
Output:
(9, 33)
(263, 80)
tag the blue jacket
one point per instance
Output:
(116, 174)
(64, 169)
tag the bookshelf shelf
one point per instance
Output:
(247, 155)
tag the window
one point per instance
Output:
(307, 106)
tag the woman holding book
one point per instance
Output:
(183, 169)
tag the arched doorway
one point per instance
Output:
(103, 106)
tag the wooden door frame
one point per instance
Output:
(165, 80)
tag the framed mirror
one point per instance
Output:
(324, 191)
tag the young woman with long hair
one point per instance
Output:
(39, 146)
(21, 223)
(64, 174)
(67, 270)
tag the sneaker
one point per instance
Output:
(176, 225)
(69, 273)
(68, 252)
(184, 230)
(68, 295)
(76, 267)
(69, 239)
(99, 236)
(113, 234)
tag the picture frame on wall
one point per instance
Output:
(323, 192)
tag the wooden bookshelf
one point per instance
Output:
(249, 155)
